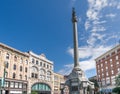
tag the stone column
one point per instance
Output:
(75, 40)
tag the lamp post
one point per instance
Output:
(3, 80)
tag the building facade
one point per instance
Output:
(107, 67)
(41, 76)
(23, 73)
(14, 67)
(58, 79)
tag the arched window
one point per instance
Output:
(48, 75)
(41, 87)
(26, 61)
(40, 63)
(33, 61)
(25, 77)
(25, 69)
(34, 71)
(14, 67)
(42, 74)
(20, 68)
(37, 62)
(7, 56)
(21, 60)
(42, 71)
(15, 58)
(6, 64)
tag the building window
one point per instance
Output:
(37, 62)
(24, 86)
(112, 72)
(20, 85)
(6, 84)
(105, 62)
(25, 69)
(32, 75)
(110, 60)
(11, 84)
(14, 67)
(36, 76)
(117, 62)
(48, 75)
(15, 58)
(118, 69)
(102, 74)
(26, 61)
(48, 66)
(111, 65)
(16, 85)
(20, 76)
(101, 65)
(40, 63)
(20, 68)
(33, 61)
(7, 64)
(14, 75)
(7, 56)
(44, 65)
(21, 60)
(25, 77)
(106, 68)
(107, 74)
(116, 57)
(102, 69)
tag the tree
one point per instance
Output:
(117, 88)
(96, 85)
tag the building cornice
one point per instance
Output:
(40, 57)
(13, 49)
(108, 52)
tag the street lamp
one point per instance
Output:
(3, 80)
(84, 84)
(62, 87)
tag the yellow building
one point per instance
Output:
(16, 69)
(58, 79)
(27, 72)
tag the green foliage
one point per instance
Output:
(116, 90)
(34, 92)
(117, 80)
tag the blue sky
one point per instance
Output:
(44, 26)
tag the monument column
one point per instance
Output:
(75, 40)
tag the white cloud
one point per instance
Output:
(95, 26)
(87, 25)
(85, 52)
(98, 22)
(111, 15)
